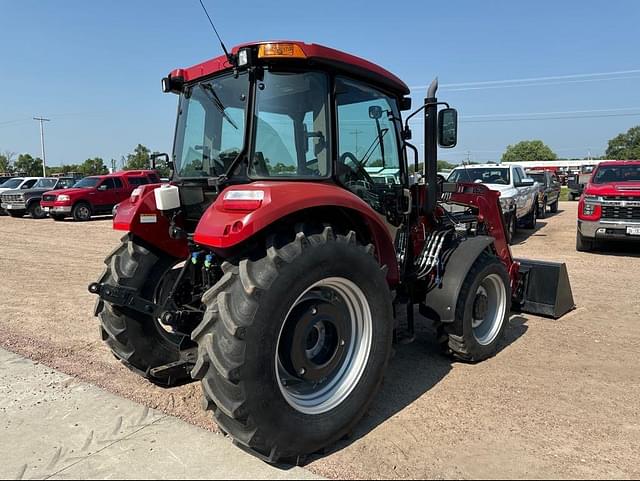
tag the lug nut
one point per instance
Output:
(314, 310)
(302, 371)
(342, 343)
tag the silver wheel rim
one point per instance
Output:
(37, 211)
(314, 398)
(487, 319)
(83, 213)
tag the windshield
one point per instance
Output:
(483, 175)
(537, 177)
(45, 184)
(12, 184)
(211, 126)
(617, 173)
(87, 183)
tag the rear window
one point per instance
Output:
(617, 173)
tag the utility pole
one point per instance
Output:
(356, 132)
(44, 159)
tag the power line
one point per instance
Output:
(552, 115)
(613, 75)
(545, 84)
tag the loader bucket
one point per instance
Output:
(544, 289)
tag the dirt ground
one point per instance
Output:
(561, 399)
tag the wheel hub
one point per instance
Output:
(324, 346)
(480, 308)
(315, 339)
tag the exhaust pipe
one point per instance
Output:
(431, 147)
(544, 289)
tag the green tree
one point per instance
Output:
(6, 161)
(625, 146)
(29, 166)
(93, 166)
(527, 151)
(139, 159)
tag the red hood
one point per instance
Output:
(70, 191)
(630, 189)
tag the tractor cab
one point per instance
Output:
(292, 112)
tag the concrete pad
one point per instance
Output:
(56, 427)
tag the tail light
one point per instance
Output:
(246, 200)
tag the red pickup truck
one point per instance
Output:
(95, 195)
(610, 206)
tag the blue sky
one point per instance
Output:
(94, 67)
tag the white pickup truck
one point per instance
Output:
(519, 193)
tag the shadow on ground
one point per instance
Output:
(415, 369)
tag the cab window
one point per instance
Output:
(292, 126)
(367, 136)
(117, 183)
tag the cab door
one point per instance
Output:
(370, 162)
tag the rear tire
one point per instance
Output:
(81, 212)
(512, 228)
(482, 312)
(249, 340)
(542, 212)
(584, 244)
(134, 338)
(531, 220)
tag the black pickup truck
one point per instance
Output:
(550, 188)
(18, 203)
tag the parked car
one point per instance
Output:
(95, 195)
(18, 203)
(519, 193)
(549, 193)
(610, 206)
(17, 183)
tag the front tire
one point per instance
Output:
(134, 338)
(584, 244)
(294, 344)
(482, 311)
(37, 212)
(81, 212)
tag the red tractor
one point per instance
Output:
(292, 233)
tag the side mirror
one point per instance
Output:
(164, 157)
(375, 112)
(448, 128)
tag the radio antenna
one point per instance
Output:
(226, 52)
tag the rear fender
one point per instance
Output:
(141, 218)
(223, 228)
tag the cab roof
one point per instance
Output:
(315, 54)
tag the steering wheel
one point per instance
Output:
(359, 169)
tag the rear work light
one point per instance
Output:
(243, 200)
(280, 50)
